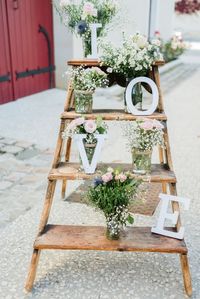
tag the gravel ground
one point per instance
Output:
(92, 275)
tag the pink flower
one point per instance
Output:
(76, 122)
(121, 177)
(107, 177)
(157, 124)
(79, 121)
(88, 9)
(147, 125)
(90, 126)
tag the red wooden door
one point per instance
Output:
(30, 31)
(6, 86)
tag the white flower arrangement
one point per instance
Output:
(144, 134)
(88, 79)
(134, 58)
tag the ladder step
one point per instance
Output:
(96, 62)
(72, 171)
(112, 114)
(138, 239)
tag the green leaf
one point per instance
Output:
(130, 219)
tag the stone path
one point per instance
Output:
(97, 275)
(23, 172)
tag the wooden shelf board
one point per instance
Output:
(72, 171)
(138, 239)
(111, 114)
(95, 62)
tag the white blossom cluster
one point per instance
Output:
(134, 58)
(118, 219)
(143, 139)
(88, 79)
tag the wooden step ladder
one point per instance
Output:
(136, 239)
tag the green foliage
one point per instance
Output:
(113, 197)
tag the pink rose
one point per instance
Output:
(76, 122)
(79, 121)
(90, 126)
(157, 124)
(121, 177)
(147, 125)
(89, 9)
(107, 177)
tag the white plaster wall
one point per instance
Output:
(166, 18)
(189, 25)
(63, 49)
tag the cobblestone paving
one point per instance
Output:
(97, 275)
(23, 171)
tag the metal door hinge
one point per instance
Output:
(15, 4)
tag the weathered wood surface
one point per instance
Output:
(95, 62)
(186, 274)
(111, 114)
(94, 238)
(72, 171)
(32, 270)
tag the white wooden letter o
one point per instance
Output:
(155, 95)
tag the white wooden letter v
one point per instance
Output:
(89, 167)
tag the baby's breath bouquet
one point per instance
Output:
(142, 136)
(133, 58)
(78, 17)
(85, 81)
(112, 193)
(88, 79)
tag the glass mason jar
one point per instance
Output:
(89, 149)
(141, 161)
(86, 40)
(113, 228)
(83, 101)
(137, 95)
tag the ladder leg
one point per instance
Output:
(67, 156)
(59, 146)
(186, 274)
(167, 150)
(32, 270)
(43, 222)
(156, 77)
(175, 204)
(69, 97)
(47, 205)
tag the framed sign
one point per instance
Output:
(155, 96)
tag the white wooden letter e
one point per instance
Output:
(159, 228)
